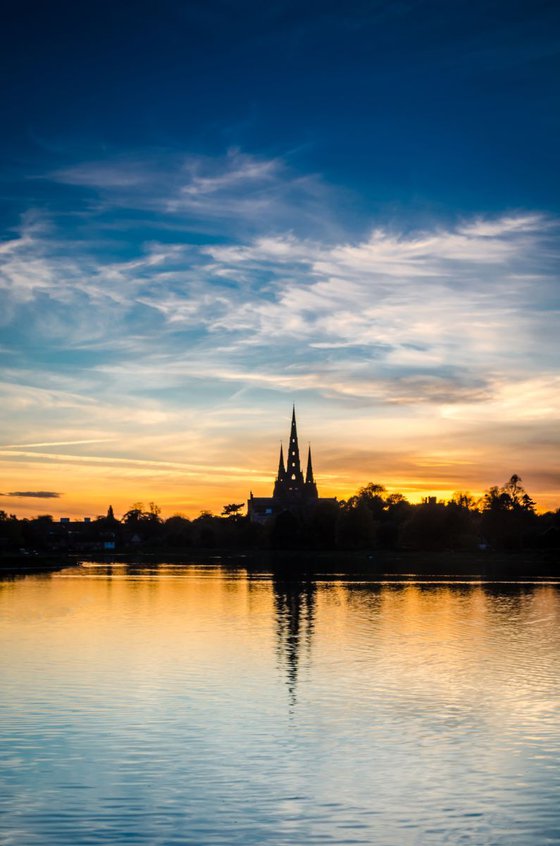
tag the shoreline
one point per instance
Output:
(485, 565)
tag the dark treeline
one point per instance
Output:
(504, 520)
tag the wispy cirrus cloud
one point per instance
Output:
(236, 192)
(426, 300)
(414, 309)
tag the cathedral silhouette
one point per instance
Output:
(292, 492)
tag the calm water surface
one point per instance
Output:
(204, 706)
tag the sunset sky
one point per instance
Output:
(213, 210)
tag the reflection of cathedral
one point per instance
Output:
(292, 492)
(295, 608)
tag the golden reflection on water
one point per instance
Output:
(337, 710)
(429, 632)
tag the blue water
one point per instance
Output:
(203, 706)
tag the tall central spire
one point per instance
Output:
(293, 469)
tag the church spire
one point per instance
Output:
(310, 486)
(309, 480)
(281, 468)
(293, 469)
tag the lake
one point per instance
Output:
(205, 705)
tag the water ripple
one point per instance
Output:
(201, 706)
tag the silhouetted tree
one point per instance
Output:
(232, 511)
(371, 497)
(154, 511)
(38, 532)
(177, 532)
(206, 529)
(463, 499)
(462, 524)
(396, 512)
(11, 532)
(134, 513)
(427, 527)
(508, 514)
(143, 525)
(355, 526)
(548, 534)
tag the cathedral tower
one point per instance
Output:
(293, 491)
(290, 484)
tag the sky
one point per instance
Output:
(210, 211)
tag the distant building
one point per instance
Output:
(292, 492)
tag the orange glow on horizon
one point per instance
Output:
(89, 494)
(218, 460)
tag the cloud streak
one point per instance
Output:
(33, 494)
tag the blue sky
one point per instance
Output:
(211, 210)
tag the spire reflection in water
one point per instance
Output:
(294, 600)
